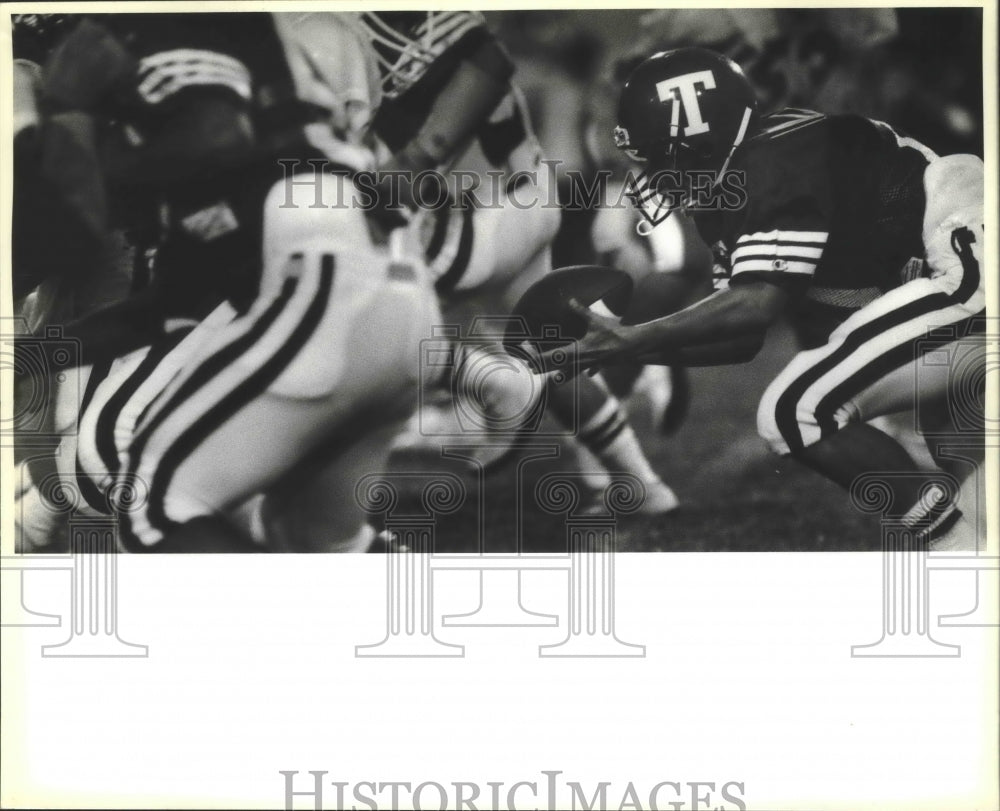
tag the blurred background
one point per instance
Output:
(918, 69)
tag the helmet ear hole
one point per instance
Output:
(661, 155)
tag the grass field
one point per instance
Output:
(735, 494)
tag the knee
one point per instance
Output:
(790, 423)
(787, 421)
(498, 386)
(767, 422)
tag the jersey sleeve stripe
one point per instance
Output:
(770, 257)
(176, 72)
(771, 251)
(784, 243)
(774, 266)
(169, 87)
(166, 73)
(784, 236)
(191, 55)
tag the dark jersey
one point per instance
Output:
(222, 105)
(249, 59)
(833, 209)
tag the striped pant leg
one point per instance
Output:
(94, 466)
(83, 470)
(127, 388)
(232, 367)
(871, 365)
(273, 387)
(49, 485)
(494, 238)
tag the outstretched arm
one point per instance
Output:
(719, 353)
(727, 327)
(732, 313)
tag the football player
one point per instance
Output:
(258, 354)
(863, 235)
(58, 181)
(669, 265)
(449, 103)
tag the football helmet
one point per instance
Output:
(406, 43)
(681, 110)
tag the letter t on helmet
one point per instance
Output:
(681, 110)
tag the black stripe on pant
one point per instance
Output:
(241, 396)
(787, 405)
(881, 366)
(209, 368)
(110, 413)
(88, 489)
(456, 270)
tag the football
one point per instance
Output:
(544, 312)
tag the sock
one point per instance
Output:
(595, 475)
(612, 440)
(605, 432)
(934, 514)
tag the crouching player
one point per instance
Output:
(866, 236)
(280, 339)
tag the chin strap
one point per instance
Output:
(740, 135)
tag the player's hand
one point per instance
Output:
(605, 341)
